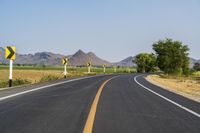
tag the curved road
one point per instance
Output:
(126, 104)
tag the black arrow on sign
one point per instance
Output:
(11, 53)
(65, 61)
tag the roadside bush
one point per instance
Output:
(145, 62)
(196, 73)
(172, 56)
(16, 82)
(19, 81)
(3, 84)
(49, 78)
(196, 66)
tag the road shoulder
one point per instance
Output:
(7, 93)
(165, 84)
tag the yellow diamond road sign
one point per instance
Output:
(64, 61)
(10, 52)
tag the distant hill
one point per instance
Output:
(43, 58)
(128, 62)
(2, 55)
(40, 58)
(98, 61)
(80, 58)
(193, 61)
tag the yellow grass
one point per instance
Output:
(34, 76)
(183, 86)
(31, 75)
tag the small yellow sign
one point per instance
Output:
(89, 64)
(64, 61)
(10, 52)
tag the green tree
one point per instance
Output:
(172, 56)
(145, 62)
(196, 66)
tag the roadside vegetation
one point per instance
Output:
(145, 62)
(186, 86)
(16, 82)
(35, 74)
(172, 59)
(196, 67)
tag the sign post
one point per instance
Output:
(11, 55)
(65, 71)
(89, 67)
(115, 69)
(104, 68)
(10, 74)
(64, 62)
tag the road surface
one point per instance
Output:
(124, 104)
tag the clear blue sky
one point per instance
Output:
(113, 29)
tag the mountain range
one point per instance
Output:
(80, 58)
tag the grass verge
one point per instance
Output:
(16, 82)
(186, 86)
(31, 75)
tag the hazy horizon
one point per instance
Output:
(113, 29)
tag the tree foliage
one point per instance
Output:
(145, 62)
(172, 56)
(196, 66)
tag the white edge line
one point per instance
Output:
(167, 99)
(46, 86)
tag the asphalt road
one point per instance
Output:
(127, 104)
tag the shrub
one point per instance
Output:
(49, 78)
(15, 82)
(19, 81)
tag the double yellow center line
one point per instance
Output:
(90, 120)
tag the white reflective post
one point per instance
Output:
(10, 74)
(65, 71)
(89, 69)
(115, 69)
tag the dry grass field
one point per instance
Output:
(34, 76)
(31, 75)
(187, 87)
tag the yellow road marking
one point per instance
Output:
(90, 120)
